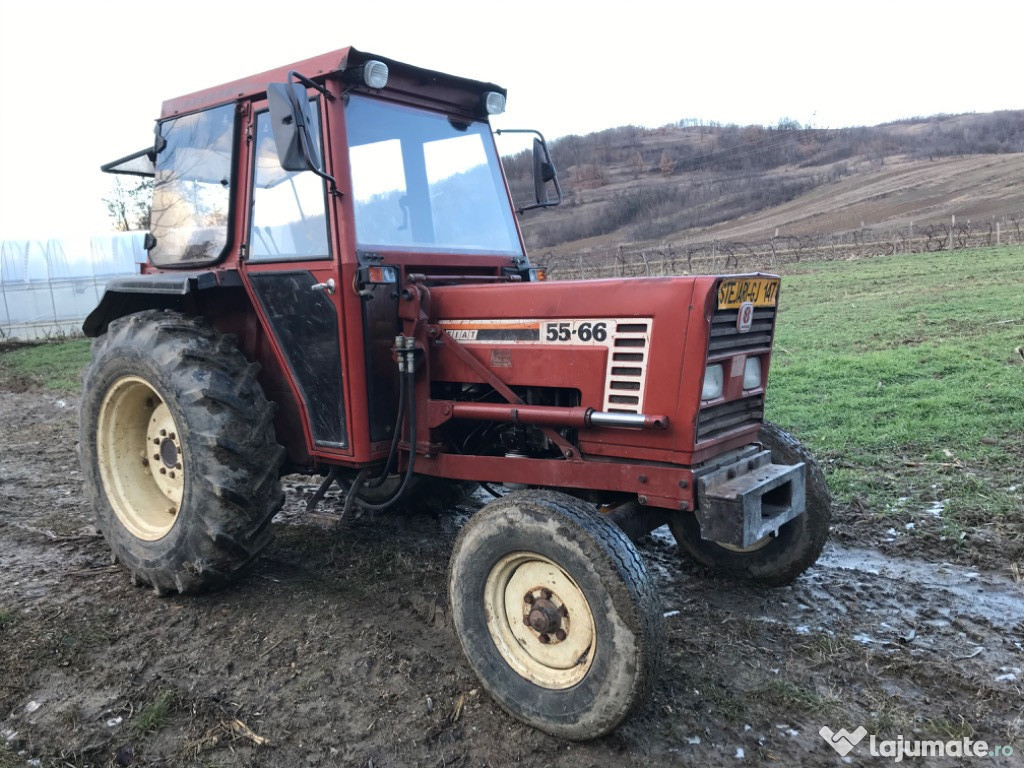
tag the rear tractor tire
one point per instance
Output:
(776, 560)
(178, 451)
(555, 613)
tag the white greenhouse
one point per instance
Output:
(47, 287)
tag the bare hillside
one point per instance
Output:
(684, 183)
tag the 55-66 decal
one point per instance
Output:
(575, 331)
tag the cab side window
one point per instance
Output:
(289, 218)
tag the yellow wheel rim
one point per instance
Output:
(759, 544)
(540, 620)
(140, 458)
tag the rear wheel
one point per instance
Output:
(555, 613)
(778, 559)
(178, 451)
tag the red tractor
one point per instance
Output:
(337, 285)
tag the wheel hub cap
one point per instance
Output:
(544, 617)
(168, 452)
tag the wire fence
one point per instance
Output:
(714, 256)
(47, 287)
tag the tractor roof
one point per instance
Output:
(403, 77)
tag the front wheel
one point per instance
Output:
(555, 613)
(778, 559)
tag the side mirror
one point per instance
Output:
(543, 171)
(291, 117)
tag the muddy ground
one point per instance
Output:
(338, 650)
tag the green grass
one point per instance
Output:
(156, 714)
(8, 759)
(54, 364)
(902, 372)
(790, 697)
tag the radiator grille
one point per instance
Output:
(626, 377)
(716, 420)
(726, 340)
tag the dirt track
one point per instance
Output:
(337, 649)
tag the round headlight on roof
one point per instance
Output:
(375, 74)
(494, 103)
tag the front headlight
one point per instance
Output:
(713, 379)
(752, 373)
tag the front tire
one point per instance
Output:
(555, 613)
(776, 560)
(178, 451)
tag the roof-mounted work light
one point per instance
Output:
(494, 103)
(372, 74)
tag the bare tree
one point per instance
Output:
(129, 205)
(667, 163)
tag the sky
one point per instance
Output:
(81, 83)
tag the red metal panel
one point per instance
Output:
(659, 486)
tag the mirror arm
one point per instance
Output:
(304, 137)
(558, 187)
(549, 204)
(310, 84)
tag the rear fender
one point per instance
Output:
(127, 295)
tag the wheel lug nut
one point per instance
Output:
(145, 461)
(528, 599)
(560, 634)
(163, 433)
(546, 593)
(163, 471)
(156, 441)
(526, 620)
(564, 611)
(544, 639)
(172, 511)
(172, 475)
(178, 465)
(172, 436)
(156, 457)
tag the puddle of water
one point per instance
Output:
(992, 597)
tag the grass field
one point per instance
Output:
(904, 374)
(54, 365)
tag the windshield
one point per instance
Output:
(423, 182)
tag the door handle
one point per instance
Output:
(326, 287)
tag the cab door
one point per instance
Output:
(293, 276)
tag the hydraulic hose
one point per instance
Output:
(376, 482)
(357, 484)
